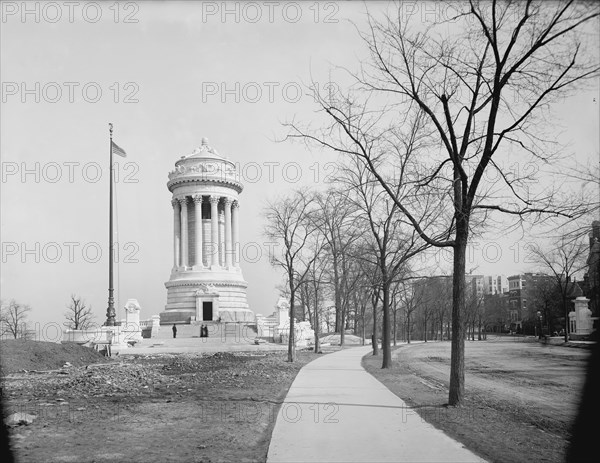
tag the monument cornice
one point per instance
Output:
(199, 179)
(232, 283)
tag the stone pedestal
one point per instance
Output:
(303, 332)
(155, 324)
(131, 330)
(282, 313)
(581, 318)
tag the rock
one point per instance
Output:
(19, 418)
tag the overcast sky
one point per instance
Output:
(166, 75)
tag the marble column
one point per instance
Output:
(198, 223)
(222, 238)
(176, 232)
(235, 233)
(184, 232)
(214, 229)
(228, 250)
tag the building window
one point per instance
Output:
(524, 303)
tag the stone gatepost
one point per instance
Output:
(582, 316)
(132, 331)
(155, 325)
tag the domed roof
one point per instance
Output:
(204, 151)
(205, 165)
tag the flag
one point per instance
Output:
(116, 149)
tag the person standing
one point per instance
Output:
(174, 331)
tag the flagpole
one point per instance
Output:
(110, 311)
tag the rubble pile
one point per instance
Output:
(146, 376)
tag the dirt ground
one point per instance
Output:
(161, 408)
(521, 397)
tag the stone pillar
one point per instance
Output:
(214, 229)
(184, 232)
(221, 238)
(132, 329)
(228, 250)
(235, 233)
(583, 316)
(198, 205)
(176, 232)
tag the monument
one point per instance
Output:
(303, 332)
(206, 282)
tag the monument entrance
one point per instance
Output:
(207, 311)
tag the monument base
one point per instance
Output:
(201, 296)
(236, 315)
(223, 315)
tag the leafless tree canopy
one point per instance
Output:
(13, 319)
(79, 315)
(289, 224)
(563, 259)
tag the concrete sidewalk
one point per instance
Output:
(337, 412)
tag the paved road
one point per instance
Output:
(337, 412)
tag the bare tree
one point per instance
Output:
(335, 220)
(13, 319)
(79, 315)
(364, 279)
(411, 299)
(391, 243)
(547, 299)
(288, 223)
(563, 260)
(313, 287)
(454, 107)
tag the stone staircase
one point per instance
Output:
(218, 333)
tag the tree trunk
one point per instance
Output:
(566, 309)
(316, 323)
(336, 289)
(291, 340)
(385, 335)
(395, 329)
(408, 328)
(363, 329)
(457, 357)
(342, 325)
(374, 337)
